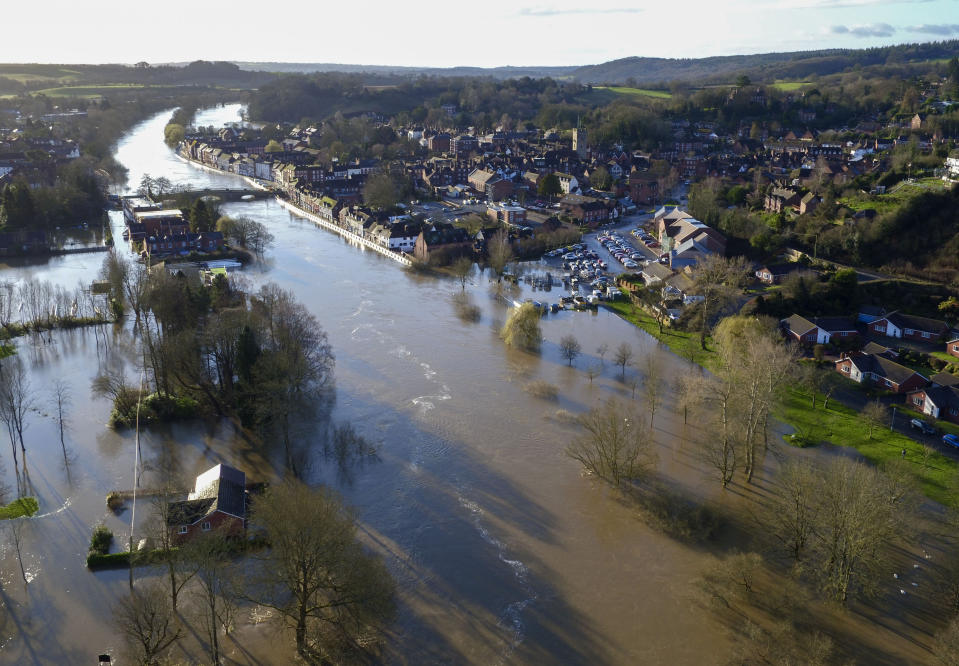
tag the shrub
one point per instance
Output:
(114, 501)
(542, 389)
(100, 540)
(108, 561)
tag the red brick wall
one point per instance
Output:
(217, 520)
(953, 348)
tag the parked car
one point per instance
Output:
(922, 426)
(951, 440)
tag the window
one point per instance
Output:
(917, 400)
(845, 369)
(926, 334)
(955, 348)
(205, 526)
(183, 529)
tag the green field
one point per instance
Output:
(883, 203)
(639, 92)
(840, 425)
(682, 343)
(789, 86)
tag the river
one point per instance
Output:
(502, 550)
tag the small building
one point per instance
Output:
(507, 215)
(952, 347)
(886, 373)
(939, 402)
(776, 273)
(910, 327)
(218, 502)
(819, 330)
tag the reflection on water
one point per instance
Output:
(503, 553)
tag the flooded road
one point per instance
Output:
(503, 552)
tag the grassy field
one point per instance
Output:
(789, 86)
(843, 426)
(682, 343)
(641, 92)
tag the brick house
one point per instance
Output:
(819, 330)
(218, 502)
(885, 373)
(585, 210)
(939, 402)
(643, 189)
(910, 327)
(952, 347)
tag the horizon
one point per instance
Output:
(550, 36)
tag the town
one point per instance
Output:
(550, 369)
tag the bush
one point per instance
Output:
(100, 540)
(114, 501)
(542, 389)
(108, 561)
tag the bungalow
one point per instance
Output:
(939, 402)
(899, 325)
(819, 330)
(218, 502)
(887, 374)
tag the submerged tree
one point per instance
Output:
(316, 574)
(148, 623)
(615, 446)
(522, 328)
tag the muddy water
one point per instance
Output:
(502, 551)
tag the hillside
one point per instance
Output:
(761, 67)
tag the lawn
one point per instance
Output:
(25, 506)
(843, 426)
(640, 92)
(890, 201)
(682, 343)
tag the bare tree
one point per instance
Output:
(61, 402)
(316, 575)
(714, 398)
(615, 446)
(652, 382)
(592, 372)
(601, 351)
(791, 512)
(716, 279)
(147, 622)
(210, 555)
(570, 348)
(874, 414)
(462, 268)
(16, 399)
(623, 357)
(858, 516)
(499, 251)
(16, 531)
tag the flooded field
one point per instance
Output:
(502, 550)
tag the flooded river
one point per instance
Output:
(503, 551)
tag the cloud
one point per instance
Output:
(837, 4)
(871, 30)
(543, 11)
(935, 29)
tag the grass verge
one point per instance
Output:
(682, 343)
(18, 508)
(843, 426)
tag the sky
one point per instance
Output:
(438, 33)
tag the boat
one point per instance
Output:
(247, 197)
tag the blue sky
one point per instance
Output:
(442, 33)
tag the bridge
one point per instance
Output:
(227, 194)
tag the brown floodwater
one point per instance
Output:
(502, 550)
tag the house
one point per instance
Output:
(776, 273)
(809, 203)
(910, 327)
(939, 402)
(569, 183)
(879, 350)
(870, 313)
(218, 502)
(490, 184)
(952, 347)
(819, 330)
(441, 240)
(585, 210)
(779, 199)
(884, 372)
